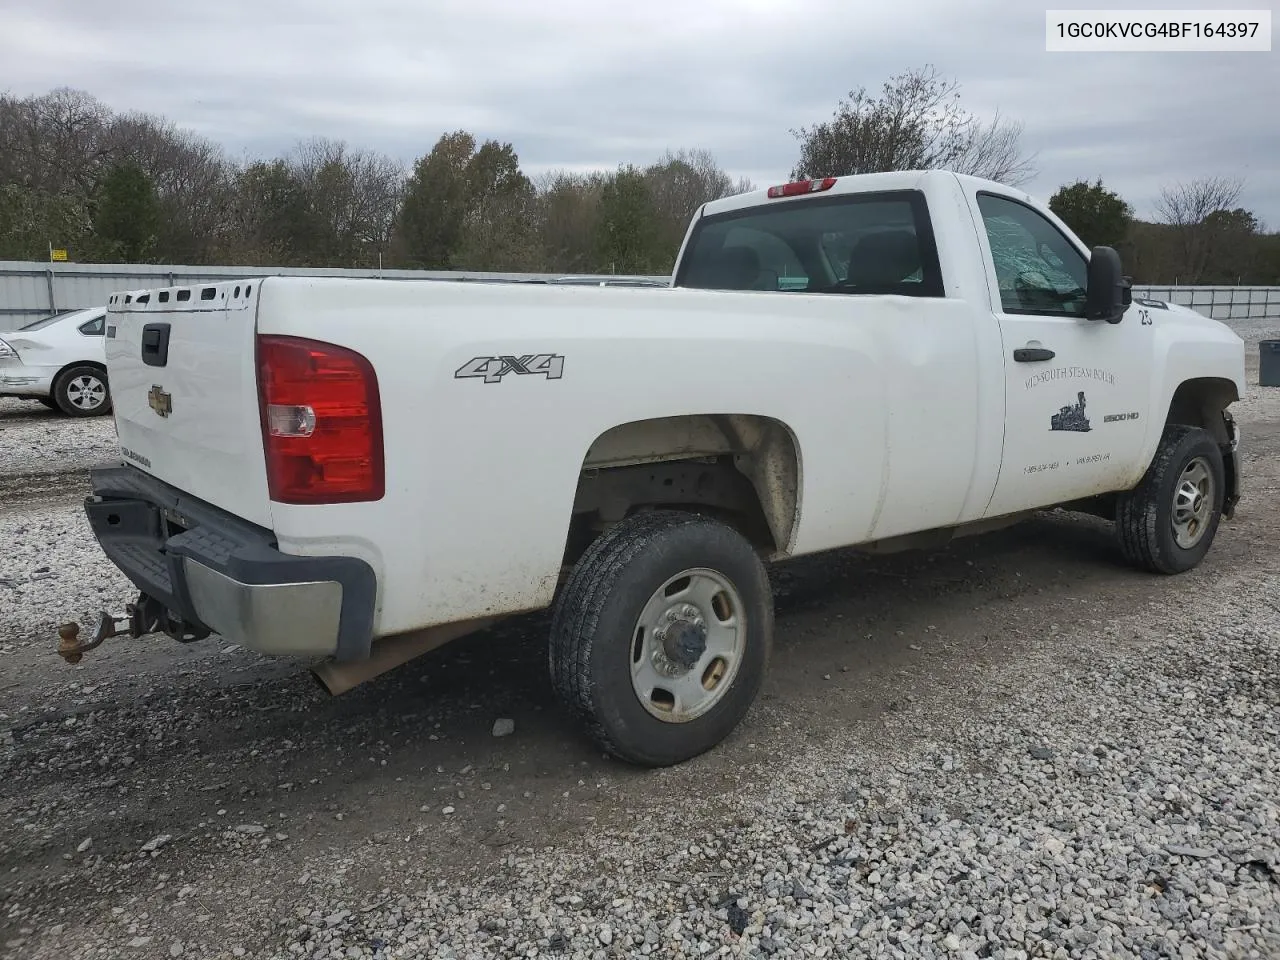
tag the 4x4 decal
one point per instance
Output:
(493, 369)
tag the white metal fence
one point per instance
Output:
(32, 289)
(1221, 303)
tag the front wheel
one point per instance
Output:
(1167, 523)
(82, 391)
(661, 636)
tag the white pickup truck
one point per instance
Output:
(356, 471)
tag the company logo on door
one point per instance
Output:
(1071, 373)
(1071, 417)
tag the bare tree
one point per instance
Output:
(193, 179)
(54, 144)
(353, 196)
(917, 123)
(1186, 209)
(994, 151)
(1187, 204)
(679, 183)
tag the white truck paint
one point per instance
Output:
(860, 378)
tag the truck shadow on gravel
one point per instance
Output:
(231, 740)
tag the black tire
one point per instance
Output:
(1145, 515)
(594, 633)
(76, 386)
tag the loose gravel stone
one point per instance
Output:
(504, 727)
(155, 843)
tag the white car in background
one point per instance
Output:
(59, 361)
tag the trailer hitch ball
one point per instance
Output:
(68, 645)
(72, 649)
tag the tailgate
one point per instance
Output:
(182, 369)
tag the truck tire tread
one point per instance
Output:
(578, 611)
(1141, 518)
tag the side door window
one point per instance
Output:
(1039, 270)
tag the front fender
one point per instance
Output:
(1189, 348)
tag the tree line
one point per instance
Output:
(136, 188)
(133, 187)
(1201, 235)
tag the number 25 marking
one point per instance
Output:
(1144, 315)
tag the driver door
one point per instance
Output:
(1076, 392)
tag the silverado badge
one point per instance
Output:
(159, 401)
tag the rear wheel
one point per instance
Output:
(1168, 522)
(82, 391)
(661, 636)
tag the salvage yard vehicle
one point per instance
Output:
(359, 470)
(58, 360)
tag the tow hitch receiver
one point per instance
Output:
(145, 616)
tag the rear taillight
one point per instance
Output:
(321, 422)
(799, 187)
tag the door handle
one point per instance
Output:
(155, 344)
(1032, 354)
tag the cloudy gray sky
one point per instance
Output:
(595, 83)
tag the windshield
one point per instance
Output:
(858, 244)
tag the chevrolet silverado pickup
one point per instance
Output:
(355, 471)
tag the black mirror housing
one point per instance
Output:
(1110, 291)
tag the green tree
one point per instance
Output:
(126, 218)
(429, 228)
(274, 222)
(1266, 270)
(500, 234)
(31, 221)
(568, 211)
(627, 237)
(1232, 238)
(494, 171)
(1097, 215)
(498, 230)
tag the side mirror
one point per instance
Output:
(1110, 291)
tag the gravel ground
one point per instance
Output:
(1013, 748)
(1117, 802)
(39, 441)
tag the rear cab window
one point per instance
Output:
(863, 243)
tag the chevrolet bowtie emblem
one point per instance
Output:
(159, 401)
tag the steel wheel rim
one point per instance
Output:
(86, 392)
(688, 645)
(1193, 497)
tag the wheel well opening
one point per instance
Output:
(1200, 403)
(742, 469)
(81, 363)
